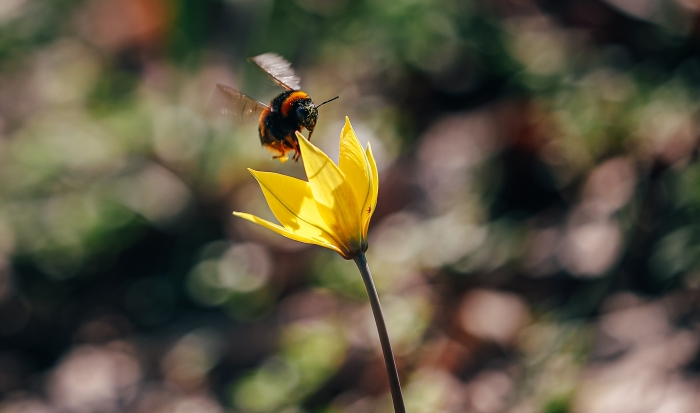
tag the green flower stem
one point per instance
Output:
(394, 383)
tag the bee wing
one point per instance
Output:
(279, 70)
(228, 101)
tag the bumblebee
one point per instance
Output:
(288, 113)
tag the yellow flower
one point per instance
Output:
(333, 208)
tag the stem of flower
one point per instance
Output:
(394, 383)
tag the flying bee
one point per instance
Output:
(288, 113)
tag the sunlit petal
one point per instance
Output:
(307, 235)
(290, 199)
(333, 195)
(292, 204)
(354, 165)
(371, 203)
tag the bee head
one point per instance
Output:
(307, 114)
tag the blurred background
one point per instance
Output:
(536, 243)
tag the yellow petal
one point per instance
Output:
(303, 236)
(290, 199)
(371, 203)
(292, 203)
(333, 195)
(354, 165)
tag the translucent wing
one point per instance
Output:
(279, 70)
(228, 101)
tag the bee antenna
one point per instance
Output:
(329, 100)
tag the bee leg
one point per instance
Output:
(277, 149)
(297, 150)
(281, 158)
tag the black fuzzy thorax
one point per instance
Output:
(278, 126)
